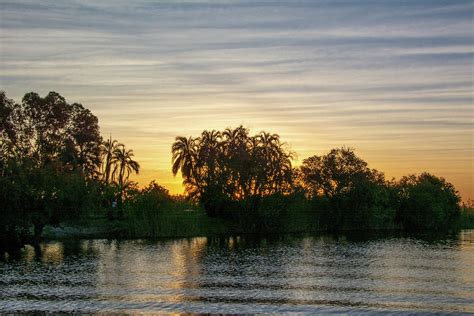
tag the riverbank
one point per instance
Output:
(176, 223)
(195, 222)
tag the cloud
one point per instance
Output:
(389, 78)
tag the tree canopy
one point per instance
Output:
(54, 164)
(426, 201)
(337, 172)
(47, 129)
(232, 165)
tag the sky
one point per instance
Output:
(392, 79)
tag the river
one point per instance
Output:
(245, 274)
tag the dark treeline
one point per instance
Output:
(221, 167)
(56, 167)
(250, 181)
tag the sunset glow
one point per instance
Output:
(394, 80)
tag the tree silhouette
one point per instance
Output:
(231, 165)
(124, 165)
(108, 148)
(49, 129)
(184, 156)
(426, 202)
(337, 172)
(49, 158)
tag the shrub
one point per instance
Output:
(426, 202)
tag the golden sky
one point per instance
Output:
(394, 80)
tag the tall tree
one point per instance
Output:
(184, 156)
(124, 165)
(49, 152)
(232, 164)
(49, 129)
(426, 202)
(83, 141)
(335, 173)
(108, 148)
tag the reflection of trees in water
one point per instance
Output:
(57, 251)
(241, 268)
(143, 270)
(345, 270)
(50, 252)
(390, 272)
(187, 256)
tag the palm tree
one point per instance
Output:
(211, 138)
(237, 136)
(208, 151)
(184, 156)
(124, 164)
(108, 148)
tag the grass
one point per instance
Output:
(173, 223)
(93, 226)
(185, 220)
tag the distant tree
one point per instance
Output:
(184, 159)
(152, 197)
(427, 202)
(468, 205)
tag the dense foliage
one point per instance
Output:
(346, 193)
(221, 168)
(56, 167)
(426, 201)
(52, 161)
(47, 130)
(249, 180)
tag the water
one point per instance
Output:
(282, 274)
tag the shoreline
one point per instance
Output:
(75, 231)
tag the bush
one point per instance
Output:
(36, 197)
(427, 202)
(366, 206)
(152, 212)
(273, 213)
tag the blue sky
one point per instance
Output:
(394, 79)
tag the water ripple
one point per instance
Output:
(283, 274)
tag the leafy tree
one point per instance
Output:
(7, 133)
(14, 221)
(426, 202)
(82, 150)
(124, 165)
(152, 197)
(108, 149)
(32, 196)
(336, 173)
(348, 194)
(48, 129)
(49, 158)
